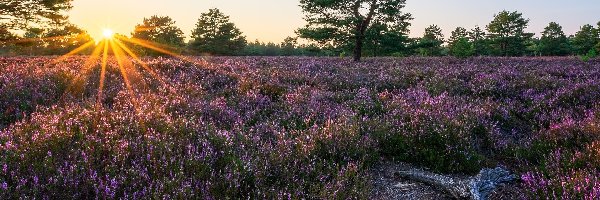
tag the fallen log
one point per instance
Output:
(478, 187)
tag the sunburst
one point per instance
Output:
(108, 34)
(114, 43)
(125, 57)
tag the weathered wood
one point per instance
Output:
(477, 187)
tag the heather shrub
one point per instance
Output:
(569, 168)
(22, 93)
(365, 104)
(589, 55)
(291, 128)
(439, 132)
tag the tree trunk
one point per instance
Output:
(477, 187)
(358, 47)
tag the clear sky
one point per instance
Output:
(273, 20)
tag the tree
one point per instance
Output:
(32, 40)
(480, 43)
(215, 34)
(20, 13)
(7, 39)
(288, 46)
(585, 39)
(431, 42)
(161, 30)
(61, 40)
(345, 23)
(533, 47)
(458, 36)
(507, 34)
(462, 48)
(383, 40)
(598, 37)
(598, 43)
(553, 41)
(5, 34)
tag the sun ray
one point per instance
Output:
(73, 52)
(23, 40)
(143, 64)
(149, 45)
(124, 64)
(89, 64)
(119, 56)
(102, 76)
(156, 47)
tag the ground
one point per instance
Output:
(294, 127)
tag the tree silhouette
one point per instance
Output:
(215, 34)
(20, 13)
(431, 42)
(553, 41)
(345, 23)
(161, 30)
(458, 44)
(507, 34)
(585, 39)
(480, 43)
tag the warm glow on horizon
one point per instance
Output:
(274, 20)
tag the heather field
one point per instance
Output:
(292, 127)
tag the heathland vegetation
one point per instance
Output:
(153, 116)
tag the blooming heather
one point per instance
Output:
(292, 128)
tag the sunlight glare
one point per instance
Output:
(108, 34)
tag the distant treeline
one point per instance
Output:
(346, 33)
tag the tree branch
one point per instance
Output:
(476, 187)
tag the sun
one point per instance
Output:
(108, 33)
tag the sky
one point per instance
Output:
(274, 20)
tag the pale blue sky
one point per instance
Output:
(273, 20)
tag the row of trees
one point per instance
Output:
(335, 27)
(506, 37)
(215, 34)
(380, 28)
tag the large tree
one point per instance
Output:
(431, 42)
(458, 43)
(479, 40)
(32, 42)
(5, 34)
(161, 30)
(345, 23)
(585, 39)
(507, 34)
(61, 40)
(215, 34)
(6, 38)
(19, 14)
(288, 46)
(384, 40)
(553, 41)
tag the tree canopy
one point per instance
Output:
(507, 34)
(345, 23)
(585, 39)
(553, 41)
(458, 44)
(480, 42)
(161, 30)
(431, 42)
(19, 13)
(215, 34)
